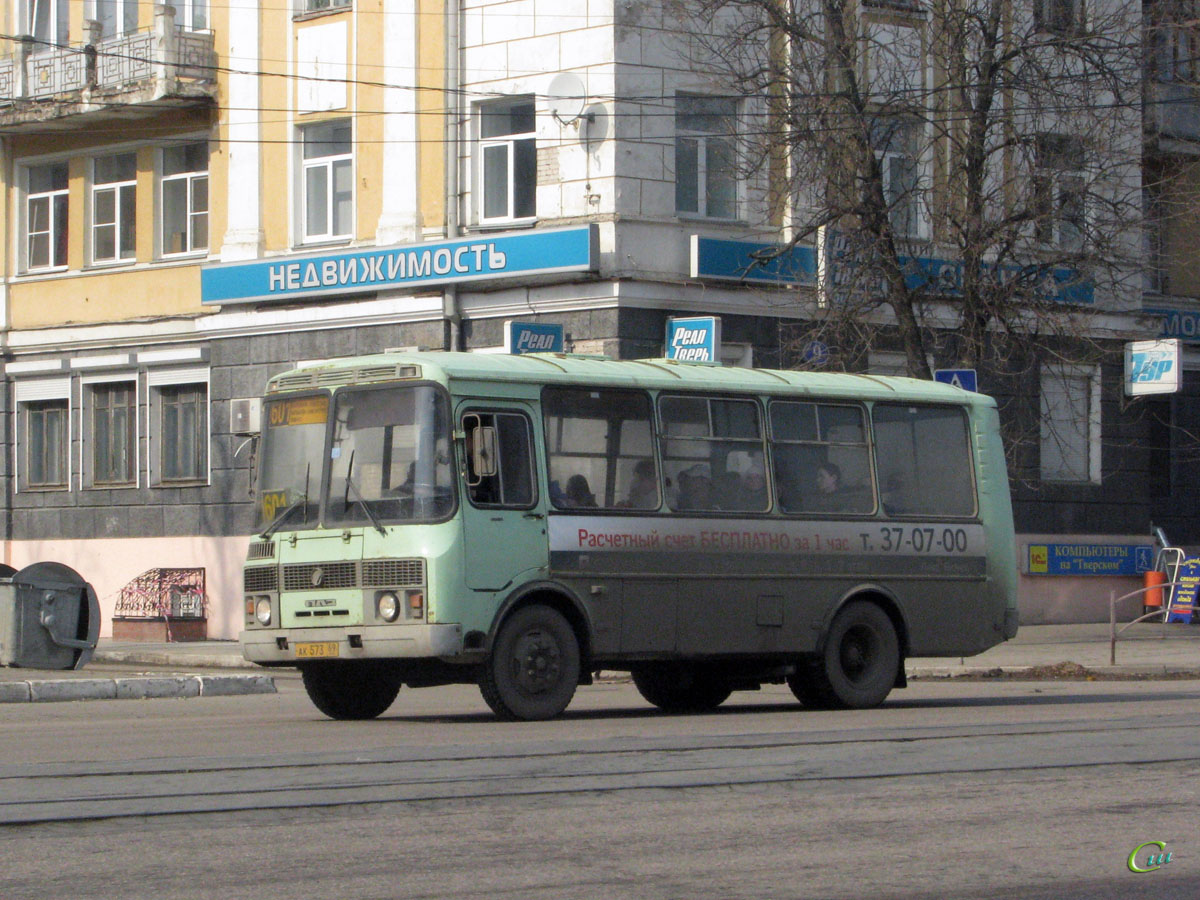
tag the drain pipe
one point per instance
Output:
(452, 132)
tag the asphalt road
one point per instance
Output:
(951, 790)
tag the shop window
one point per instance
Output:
(111, 434)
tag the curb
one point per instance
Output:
(164, 658)
(1039, 672)
(152, 688)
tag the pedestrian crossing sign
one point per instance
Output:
(961, 378)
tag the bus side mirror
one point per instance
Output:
(483, 451)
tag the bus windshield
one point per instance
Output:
(290, 479)
(390, 456)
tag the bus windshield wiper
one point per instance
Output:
(279, 519)
(360, 499)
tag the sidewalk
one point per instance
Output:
(132, 669)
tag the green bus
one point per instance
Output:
(523, 522)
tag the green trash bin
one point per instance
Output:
(49, 618)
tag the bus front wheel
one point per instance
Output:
(858, 666)
(349, 690)
(533, 668)
(680, 688)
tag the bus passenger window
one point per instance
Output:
(713, 454)
(599, 449)
(924, 459)
(822, 464)
(512, 483)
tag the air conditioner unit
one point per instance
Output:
(245, 415)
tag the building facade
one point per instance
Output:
(198, 196)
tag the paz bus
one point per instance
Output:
(523, 522)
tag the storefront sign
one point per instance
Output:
(533, 337)
(753, 262)
(1178, 323)
(1152, 367)
(696, 339)
(475, 258)
(1090, 559)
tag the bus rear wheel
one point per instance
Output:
(680, 688)
(858, 666)
(349, 690)
(533, 668)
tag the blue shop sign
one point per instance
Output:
(533, 337)
(1177, 323)
(1090, 559)
(475, 258)
(697, 339)
(753, 262)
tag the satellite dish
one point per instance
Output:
(567, 95)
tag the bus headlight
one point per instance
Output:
(387, 605)
(262, 611)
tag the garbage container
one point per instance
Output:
(49, 618)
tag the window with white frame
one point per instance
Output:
(110, 433)
(48, 21)
(896, 142)
(114, 207)
(1061, 17)
(190, 14)
(184, 200)
(115, 16)
(507, 160)
(43, 434)
(1058, 187)
(46, 205)
(706, 182)
(327, 202)
(318, 5)
(1070, 423)
(179, 426)
(1175, 40)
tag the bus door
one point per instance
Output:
(504, 518)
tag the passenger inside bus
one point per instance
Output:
(643, 492)
(578, 494)
(695, 488)
(829, 495)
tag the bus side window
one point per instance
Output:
(600, 449)
(822, 464)
(924, 459)
(511, 484)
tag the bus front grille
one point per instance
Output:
(261, 550)
(393, 572)
(371, 573)
(311, 576)
(257, 579)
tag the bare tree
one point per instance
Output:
(969, 169)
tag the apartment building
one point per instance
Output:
(198, 196)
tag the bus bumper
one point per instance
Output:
(287, 646)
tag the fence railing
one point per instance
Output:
(164, 53)
(1162, 612)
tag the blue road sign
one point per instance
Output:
(961, 378)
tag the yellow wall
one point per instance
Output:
(1182, 228)
(112, 296)
(431, 104)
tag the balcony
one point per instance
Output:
(130, 74)
(1176, 110)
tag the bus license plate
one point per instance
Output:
(316, 649)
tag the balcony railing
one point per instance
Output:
(162, 61)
